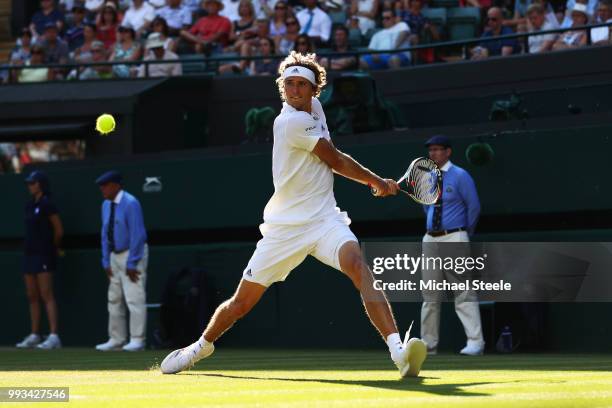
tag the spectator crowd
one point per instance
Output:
(160, 31)
(15, 156)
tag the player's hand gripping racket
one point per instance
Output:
(421, 181)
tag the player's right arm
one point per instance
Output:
(303, 132)
(348, 167)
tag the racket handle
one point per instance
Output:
(372, 189)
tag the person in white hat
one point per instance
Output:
(574, 38)
(157, 52)
(302, 219)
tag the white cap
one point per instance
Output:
(580, 8)
(300, 71)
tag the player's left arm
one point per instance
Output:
(348, 167)
(469, 195)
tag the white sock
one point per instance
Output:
(396, 346)
(200, 344)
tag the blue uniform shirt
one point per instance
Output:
(38, 228)
(129, 230)
(460, 204)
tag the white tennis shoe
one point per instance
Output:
(185, 358)
(415, 353)
(31, 340)
(52, 342)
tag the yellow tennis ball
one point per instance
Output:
(105, 123)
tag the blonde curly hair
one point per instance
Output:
(304, 60)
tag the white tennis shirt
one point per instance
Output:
(303, 184)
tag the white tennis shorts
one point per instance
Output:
(283, 248)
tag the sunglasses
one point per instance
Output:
(280, 8)
(291, 23)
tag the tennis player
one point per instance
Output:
(302, 219)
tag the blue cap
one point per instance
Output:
(112, 176)
(35, 176)
(438, 140)
(39, 177)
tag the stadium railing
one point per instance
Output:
(210, 64)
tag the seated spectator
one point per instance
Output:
(591, 6)
(83, 53)
(160, 26)
(209, 34)
(139, 17)
(48, 13)
(394, 35)
(249, 47)
(315, 22)
(56, 49)
(74, 34)
(366, 12)
(601, 35)
(107, 25)
(495, 29)
(341, 44)
(285, 43)
(157, 52)
(230, 10)
(278, 28)
(242, 29)
(267, 66)
(177, 17)
(22, 51)
(553, 18)
(574, 38)
(537, 22)
(99, 53)
(126, 49)
(35, 74)
(421, 28)
(304, 44)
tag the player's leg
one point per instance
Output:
(271, 262)
(247, 295)
(377, 307)
(337, 247)
(408, 355)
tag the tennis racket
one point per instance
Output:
(421, 182)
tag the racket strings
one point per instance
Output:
(423, 179)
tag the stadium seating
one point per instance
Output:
(463, 23)
(444, 3)
(437, 16)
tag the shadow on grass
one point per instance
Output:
(406, 384)
(288, 360)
